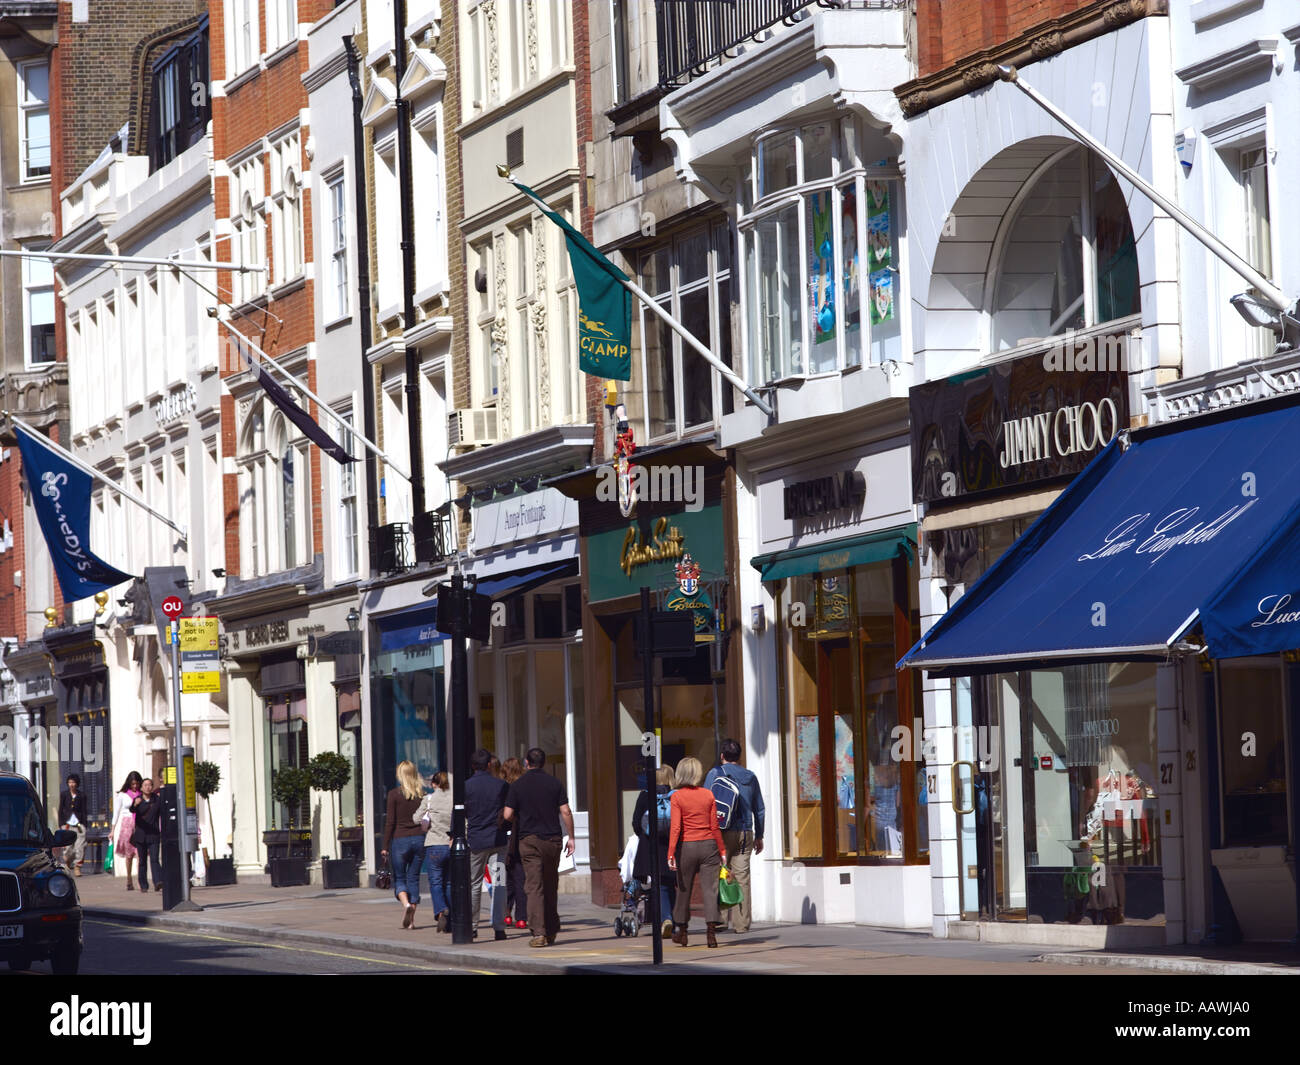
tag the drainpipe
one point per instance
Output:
(363, 301)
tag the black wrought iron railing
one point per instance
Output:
(695, 34)
(432, 533)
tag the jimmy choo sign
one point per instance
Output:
(1085, 427)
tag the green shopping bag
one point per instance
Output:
(729, 893)
(108, 859)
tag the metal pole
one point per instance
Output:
(1273, 295)
(651, 752)
(181, 839)
(132, 260)
(461, 919)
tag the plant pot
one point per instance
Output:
(287, 843)
(289, 872)
(220, 871)
(339, 873)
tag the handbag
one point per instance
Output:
(729, 893)
(108, 859)
(384, 878)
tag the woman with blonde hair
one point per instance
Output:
(702, 852)
(516, 901)
(405, 838)
(434, 816)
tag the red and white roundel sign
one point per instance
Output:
(172, 607)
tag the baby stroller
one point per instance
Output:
(632, 915)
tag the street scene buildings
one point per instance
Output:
(996, 294)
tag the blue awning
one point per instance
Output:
(1189, 523)
(521, 580)
(410, 628)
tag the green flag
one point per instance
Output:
(604, 305)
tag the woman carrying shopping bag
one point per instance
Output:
(695, 848)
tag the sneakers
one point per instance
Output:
(541, 941)
(666, 929)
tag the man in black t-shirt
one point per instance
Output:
(537, 803)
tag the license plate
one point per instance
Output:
(11, 931)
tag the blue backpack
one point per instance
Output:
(726, 794)
(663, 813)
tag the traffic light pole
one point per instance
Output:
(650, 749)
(459, 866)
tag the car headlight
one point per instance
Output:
(59, 886)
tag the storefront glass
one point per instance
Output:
(1252, 727)
(285, 736)
(855, 775)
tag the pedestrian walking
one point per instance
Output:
(537, 804)
(695, 848)
(124, 823)
(72, 816)
(516, 899)
(743, 832)
(147, 834)
(645, 869)
(434, 816)
(404, 838)
(485, 799)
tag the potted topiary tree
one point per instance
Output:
(290, 786)
(331, 772)
(207, 782)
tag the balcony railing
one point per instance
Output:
(695, 35)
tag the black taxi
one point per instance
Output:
(40, 914)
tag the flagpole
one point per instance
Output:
(131, 260)
(672, 323)
(338, 418)
(45, 441)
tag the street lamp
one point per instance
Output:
(353, 619)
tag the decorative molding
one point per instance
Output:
(537, 316)
(1203, 11)
(489, 9)
(1045, 40)
(1259, 54)
(500, 335)
(530, 20)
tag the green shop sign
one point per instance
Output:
(646, 551)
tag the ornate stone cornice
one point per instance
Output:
(1047, 39)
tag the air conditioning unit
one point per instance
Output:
(472, 427)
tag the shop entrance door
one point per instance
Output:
(835, 688)
(999, 797)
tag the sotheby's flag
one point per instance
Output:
(304, 421)
(61, 498)
(604, 305)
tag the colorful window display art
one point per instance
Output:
(808, 756)
(849, 231)
(880, 251)
(821, 266)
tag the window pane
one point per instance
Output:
(776, 346)
(883, 266)
(697, 375)
(817, 152)
(1117, 262)
(850, 278)
(661, 384)
(1254, 783)
(37, 134)
(803, 739)
(288, 501)
(776, 157)
(36, 84)
(693, 258)
(820, 229)
(1039, 290)
(722, 342)
(656, 272)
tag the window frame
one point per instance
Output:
(30, 288)
(248, 237)
(335, 184)
(757, 206)
(28, 175)
(288, 245)
(281, 24)
(240, 59)
(186, 63)
(347, 553)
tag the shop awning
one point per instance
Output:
(522, 580)
(410, 628)
(1186, 524)
(837, 554)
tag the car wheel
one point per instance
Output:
(20, 965)
(65, 961)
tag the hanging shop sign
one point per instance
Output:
(1015, 424)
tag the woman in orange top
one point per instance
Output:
(695, 825)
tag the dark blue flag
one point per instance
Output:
(61, 496)
(304, 421)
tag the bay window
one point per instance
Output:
(819, 232)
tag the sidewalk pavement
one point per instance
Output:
(369, 920)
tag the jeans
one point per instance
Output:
(149, 857)
(667, 897)
(435, 868)
(478, 861)
(407, 857)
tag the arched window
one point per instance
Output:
(1068, 259)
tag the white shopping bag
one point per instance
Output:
(567, 861)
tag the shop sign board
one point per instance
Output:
(647, 550)
(506, 521)
(1012, 425)
(200, 655)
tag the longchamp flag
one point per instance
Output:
(304, 421)
(604, 305)
(61, 498)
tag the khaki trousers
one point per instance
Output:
(702, 859)
(739, 847)
(541, 858)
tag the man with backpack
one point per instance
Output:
(741, 816)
